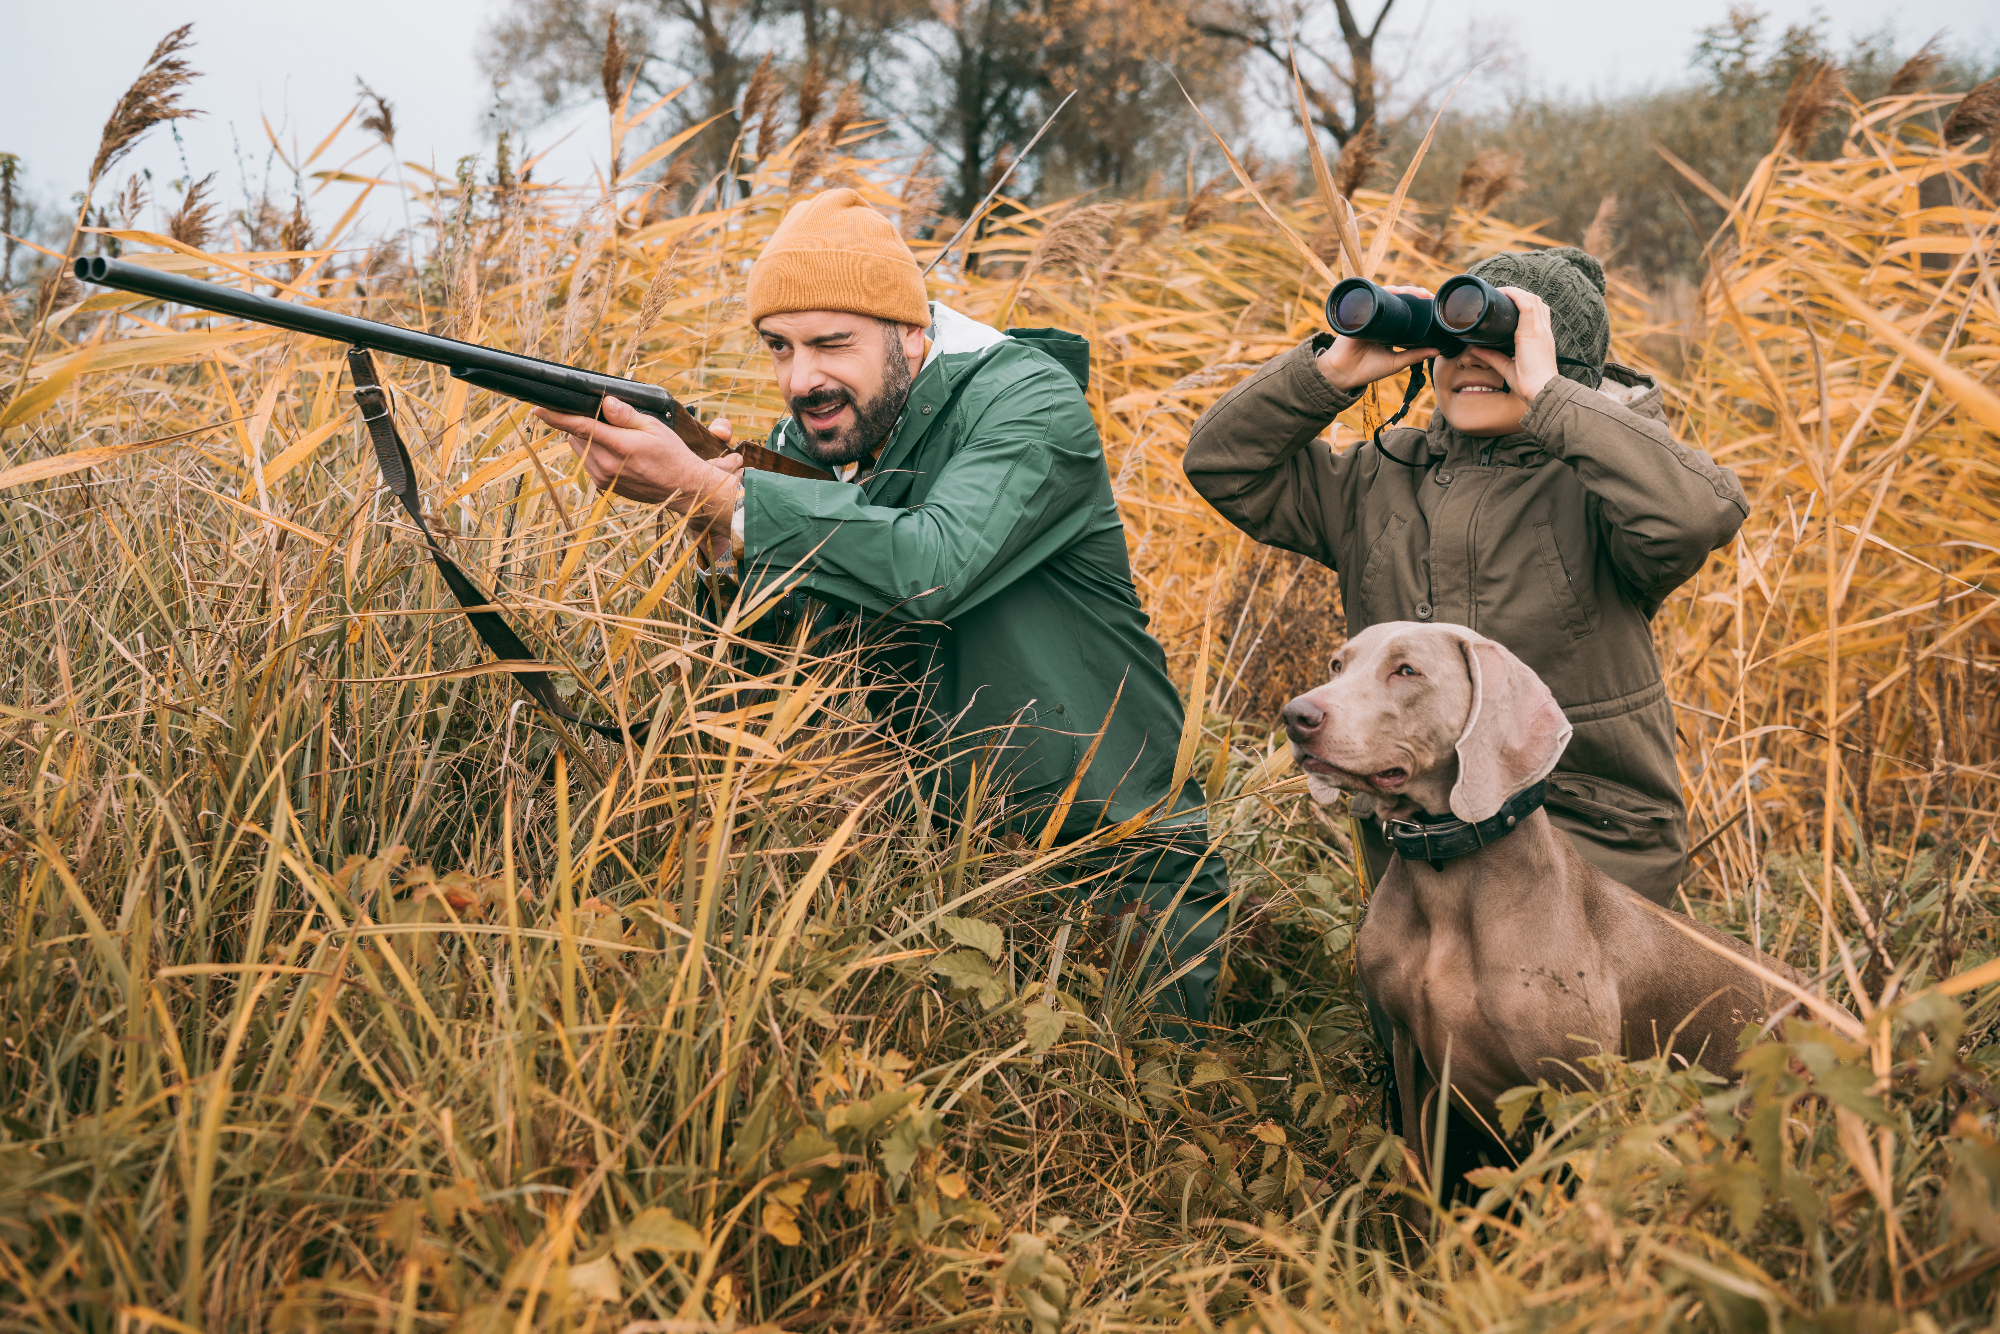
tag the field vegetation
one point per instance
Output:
(343, 990)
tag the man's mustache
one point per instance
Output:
(821, 400)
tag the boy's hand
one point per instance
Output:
(1533, 364)
(638, 457)
(1351, 363)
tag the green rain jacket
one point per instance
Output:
(983, 559)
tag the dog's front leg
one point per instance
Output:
(1414, 1089)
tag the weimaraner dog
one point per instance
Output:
(1490, 937)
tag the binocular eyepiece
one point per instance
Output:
(1467, 311)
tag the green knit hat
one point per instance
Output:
(1572, 283)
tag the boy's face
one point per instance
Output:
(1474, 395)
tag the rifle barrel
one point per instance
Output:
(547, 384)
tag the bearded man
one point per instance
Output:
(970, 537)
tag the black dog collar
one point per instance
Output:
(1438, 838)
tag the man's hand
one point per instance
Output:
(1351, 363)
(638, 457)
(1533, 364)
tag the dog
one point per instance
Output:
(1491, 942)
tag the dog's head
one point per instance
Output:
(1426, 717)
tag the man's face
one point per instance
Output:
(844, 376)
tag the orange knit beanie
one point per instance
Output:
(833, 252)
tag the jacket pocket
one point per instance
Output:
(1637, 840)
(1378, 573)
(1570, 603)
(1607, 805)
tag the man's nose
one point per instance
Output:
(1302, 718)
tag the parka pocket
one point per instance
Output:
(1571, 605)
(1637, 840)
(1376, 588)
(1606, 805)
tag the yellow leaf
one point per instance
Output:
(782, 1224)
(596, 1281)
(657, 1230)
(951, 1185)
(1270, 1133)
(791, 1194)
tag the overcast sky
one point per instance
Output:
(295, 64)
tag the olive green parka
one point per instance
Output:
(1560, 541)
(982, 560)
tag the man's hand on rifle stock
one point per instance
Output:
(639, 458)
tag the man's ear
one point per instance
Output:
(1514, 732)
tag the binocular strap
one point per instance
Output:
(1416, 386)
(492, 628)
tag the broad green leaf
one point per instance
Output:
(985, 937)
(657, 1230)
(1044, 1026)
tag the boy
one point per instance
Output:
(1546, 506)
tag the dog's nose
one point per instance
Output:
(1302, 718)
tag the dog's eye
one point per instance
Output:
(1336, 666)
(1404, 670)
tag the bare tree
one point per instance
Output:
(1344, 95)
(557, 47)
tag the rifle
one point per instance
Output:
(546, 384)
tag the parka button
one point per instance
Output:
(1444, 479)
(1423, 611)
(927, 409)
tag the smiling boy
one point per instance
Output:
(1546, 506)
(970, 540)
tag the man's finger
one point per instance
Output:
(720, 428)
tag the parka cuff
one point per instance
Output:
(1544, 417)
(1313, 389)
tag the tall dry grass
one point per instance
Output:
(342, 991)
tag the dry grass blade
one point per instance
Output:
(154, 97)
(919, 198)
(1598, 238)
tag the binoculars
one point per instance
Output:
(1467, 311)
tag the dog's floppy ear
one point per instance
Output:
(1514, 732)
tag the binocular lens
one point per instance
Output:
(1463, 308)
(1354, 309)
(1477, 312)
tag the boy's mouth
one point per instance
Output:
(1476, 388)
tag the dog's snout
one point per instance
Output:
(1302, 718)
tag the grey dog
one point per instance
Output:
(1490, 938)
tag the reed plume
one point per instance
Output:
(153, 98)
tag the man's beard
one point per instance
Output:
(873, 420)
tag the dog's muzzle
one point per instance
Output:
(1439, 838)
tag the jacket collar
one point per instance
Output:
(1439, 838)
(1632, 390)
(957, 343)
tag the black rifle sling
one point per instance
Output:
(401, 478)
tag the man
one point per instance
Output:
(970, 537)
